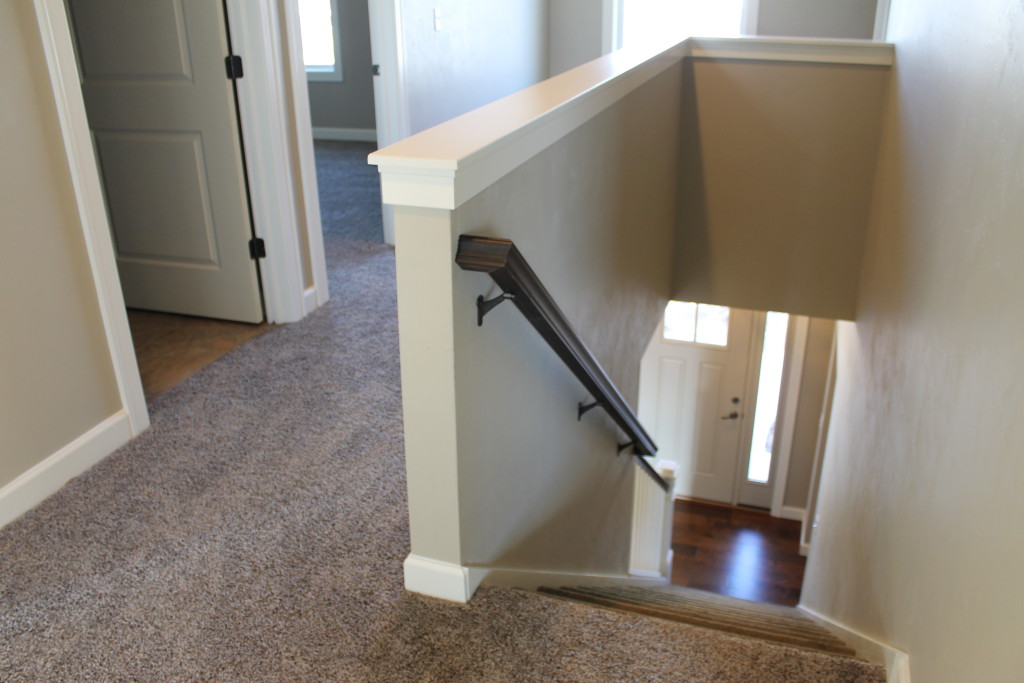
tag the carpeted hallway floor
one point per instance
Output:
(256, 533)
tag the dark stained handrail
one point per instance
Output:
(500, 259)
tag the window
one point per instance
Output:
(321, 39)
(665, 22)
(769, 388)
(686, 321)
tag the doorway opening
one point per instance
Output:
(734, 398)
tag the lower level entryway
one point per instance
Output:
(736, 551)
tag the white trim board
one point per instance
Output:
(896, 662)
(263, 105)
(442, 580)
(41, 481)
(307, 189)
(789, 405)
(445, 166)
(55, 33)
(349, 134)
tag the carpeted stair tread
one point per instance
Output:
(791, 620)
(786, 628)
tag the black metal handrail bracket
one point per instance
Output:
(500, 259)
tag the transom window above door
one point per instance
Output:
(686, 321)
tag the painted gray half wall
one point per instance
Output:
(348, 104)
(816, 18)
(539, 489)
(56, 375)
(920, 540)
(484, 51)
(779, 163)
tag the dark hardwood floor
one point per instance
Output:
(735, 551)
(169, 348)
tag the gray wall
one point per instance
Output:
(56, 377)
(348, 104)
(484, 51)
(920, 538)
(539, 489)
(575, 33)
(817, 18)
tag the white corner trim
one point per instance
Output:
(792, 512)
(789, 404)
(810, 50)
(263, 102)
(441, 579)
(881, 20)
(445, 166)
(307, 189)
(896, 662)
(349, 134)
(62, 64)
(39, 482)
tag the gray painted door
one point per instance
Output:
(165, 128)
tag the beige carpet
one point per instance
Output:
(773, 623)
(256, 533)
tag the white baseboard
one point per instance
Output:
(308, 300)
(41, 481)
(791, 512)
(530, 579)
(351, 134)
(440, 579)
(896, 662)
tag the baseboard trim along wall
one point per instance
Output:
(791, 512)
(38, 483)
(350, 134)
(896, 662)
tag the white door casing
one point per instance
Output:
(688, 395)
(389, 95)
(165, 128)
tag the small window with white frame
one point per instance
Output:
(321, 39)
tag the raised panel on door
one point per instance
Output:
(164, 120)
(685, 391)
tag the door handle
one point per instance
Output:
(731, 416)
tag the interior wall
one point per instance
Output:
(813, 380)
(920, 540)
(348, 103)
(779, 161)
(481, 52)
(854, 19)
(539, 489)
(575, 29)
(57, 377)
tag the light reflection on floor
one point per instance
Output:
(743, 569)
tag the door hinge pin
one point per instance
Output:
(257, 248)
(233, 63)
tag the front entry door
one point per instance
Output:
(164, 121)
(693, 381)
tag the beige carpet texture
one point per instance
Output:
(257, 531)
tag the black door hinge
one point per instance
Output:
(234, 66)
(257, 248)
